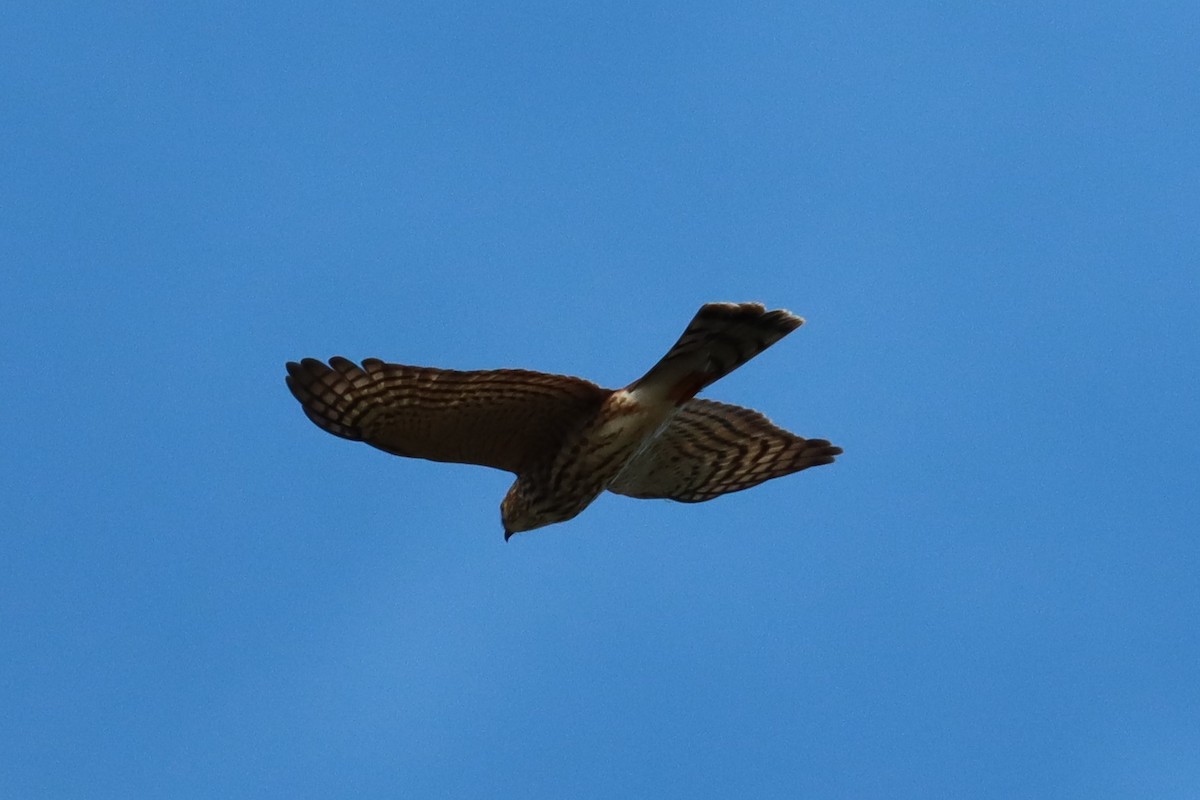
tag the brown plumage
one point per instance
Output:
(710, 449)
(567, 439)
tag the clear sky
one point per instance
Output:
(988, 213)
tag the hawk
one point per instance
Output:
(567, 439)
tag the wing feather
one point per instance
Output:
(504, 418)
(710, 449)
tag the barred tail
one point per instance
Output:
(719, 339)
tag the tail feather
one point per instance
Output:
(719, 339)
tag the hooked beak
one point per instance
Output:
(507, 534)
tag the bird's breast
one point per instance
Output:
(624, 425)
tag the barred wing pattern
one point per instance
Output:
(709, 449)
(505, 418)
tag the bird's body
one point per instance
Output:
(589, 461)
(567, 439)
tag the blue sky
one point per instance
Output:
(987, 213)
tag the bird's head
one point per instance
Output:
(521, 511)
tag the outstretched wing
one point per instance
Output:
(504, 418)
(711, 448)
